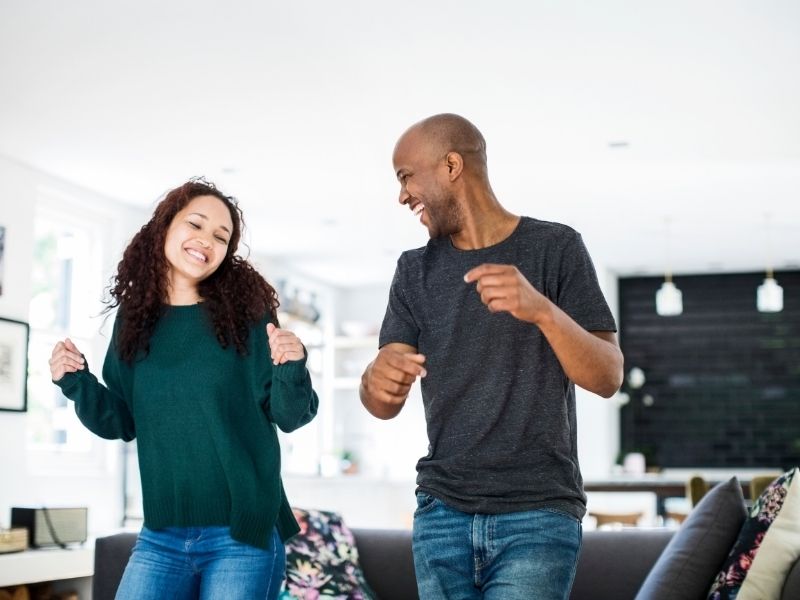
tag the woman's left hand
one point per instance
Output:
(284, 345)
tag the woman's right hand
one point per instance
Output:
(66, 358)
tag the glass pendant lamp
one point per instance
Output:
(769, 296)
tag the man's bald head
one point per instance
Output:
(448, 132)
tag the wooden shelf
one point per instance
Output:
(344, 342)
(46, 564)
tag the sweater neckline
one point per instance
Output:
(181, 307)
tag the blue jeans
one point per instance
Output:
(184, 563)
(530, 555)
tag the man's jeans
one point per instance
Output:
(530, 555)
(183, 563)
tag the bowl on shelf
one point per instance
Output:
(357, 328)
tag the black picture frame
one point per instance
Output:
(14, 338)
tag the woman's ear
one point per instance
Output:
(455, 165)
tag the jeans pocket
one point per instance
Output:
(425, 503)
(561, 513)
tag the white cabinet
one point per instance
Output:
(351, 355)
(349, 448)
(374, 448)
(70, 569)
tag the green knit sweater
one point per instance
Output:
(204, 418)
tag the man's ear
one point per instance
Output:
(455, 165)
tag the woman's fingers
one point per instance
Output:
(283, 345)
(65, 358)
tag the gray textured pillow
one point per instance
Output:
(691, 560)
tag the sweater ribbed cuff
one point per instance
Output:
(293, 371)
(71, 381)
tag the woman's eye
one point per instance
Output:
(193, 225)
(222, 240)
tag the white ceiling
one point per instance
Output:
(294, 107)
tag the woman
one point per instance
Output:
(200, 373)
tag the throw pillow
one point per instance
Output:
(693, 556)
(322, 560)
(767, 547)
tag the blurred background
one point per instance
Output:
(668, 134)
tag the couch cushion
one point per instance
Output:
(388, 562)
(322, 560)
(686, 568)
(767, 547)
(613, 564)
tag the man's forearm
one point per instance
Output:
(593, 363)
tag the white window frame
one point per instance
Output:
(102, 457)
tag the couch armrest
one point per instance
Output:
(111, 555)
(388, 564)
(613, 564)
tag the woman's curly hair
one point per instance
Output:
(235, 295)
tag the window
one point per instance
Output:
(66, 293)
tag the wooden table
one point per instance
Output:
(663, 487)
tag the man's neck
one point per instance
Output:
(485, 223)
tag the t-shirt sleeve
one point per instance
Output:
(579, 293)
(399, 325)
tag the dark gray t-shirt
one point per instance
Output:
(500, 411)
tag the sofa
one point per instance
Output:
(612, 564)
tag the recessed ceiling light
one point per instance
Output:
(618, 144)
(229, 170)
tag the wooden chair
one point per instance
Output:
(674, 515)
(696, 488)
(630, 519)
(759, 483)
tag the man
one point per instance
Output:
(500, 315)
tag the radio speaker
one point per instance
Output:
(51, 526)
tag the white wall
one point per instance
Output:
(22, 189)
(598, 418)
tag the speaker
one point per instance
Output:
(52, 526)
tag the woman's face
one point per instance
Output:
(197, 240)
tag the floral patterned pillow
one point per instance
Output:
(322, 560)
(765, 510)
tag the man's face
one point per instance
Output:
(425, 185)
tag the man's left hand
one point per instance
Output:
(504, 289)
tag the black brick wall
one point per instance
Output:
(724, 378)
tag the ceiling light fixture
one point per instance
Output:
(669, 299)
(769, 295)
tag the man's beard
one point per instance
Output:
(445, 219)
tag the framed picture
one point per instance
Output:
(13, 365)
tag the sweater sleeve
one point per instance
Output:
(285, 391)
(102, 408)
(293, 401)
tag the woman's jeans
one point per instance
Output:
(182, 563)
(530, 555)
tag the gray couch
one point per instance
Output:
(612, 564)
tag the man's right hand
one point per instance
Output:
(387, 380)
